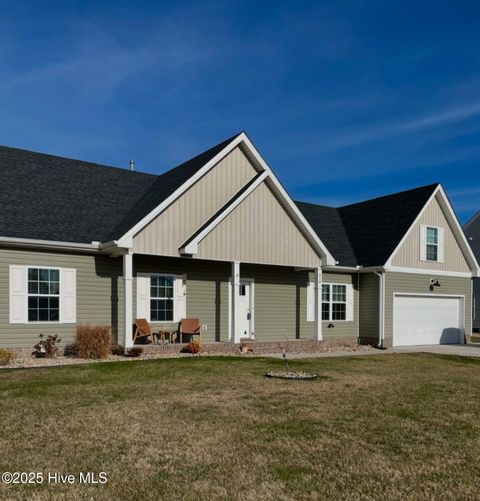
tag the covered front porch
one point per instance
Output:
(234, 302)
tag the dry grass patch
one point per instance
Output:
(393, 427)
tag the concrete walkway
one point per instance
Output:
(465, 350)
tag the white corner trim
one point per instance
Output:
(457, 230)
(432, 272)
(192, 247)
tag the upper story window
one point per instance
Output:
(432, 244)
(43, 295)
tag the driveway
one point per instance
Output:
(465, 350)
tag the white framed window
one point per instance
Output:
(432, 243)
(334, 302)
(162, 298)
(43, 294)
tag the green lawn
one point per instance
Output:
(374, 427)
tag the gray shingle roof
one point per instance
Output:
(472, 231)
(328, 225)
(367, 233)
(47, 197)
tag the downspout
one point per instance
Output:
(381, 309)
(357, 315)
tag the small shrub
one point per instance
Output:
(46, 347)
(135, 352)
(117, 349)
(70, 350)
(193, 347)
(7, 356)
(93, 341)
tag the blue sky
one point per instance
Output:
(345, 100)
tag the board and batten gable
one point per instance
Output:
(170, 229)
(408, 254)
(259, 230)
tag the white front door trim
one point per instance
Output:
(231, 313)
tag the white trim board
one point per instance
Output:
(49, 244)
(252, 305)
(432, 272)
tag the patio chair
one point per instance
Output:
(190, 327)
(142, 330)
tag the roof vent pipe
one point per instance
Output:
(132, 165)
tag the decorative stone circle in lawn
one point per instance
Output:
(292, 374)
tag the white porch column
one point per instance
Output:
(318, 304)
(128, 299)
(235, 284)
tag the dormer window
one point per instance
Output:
(431, 243)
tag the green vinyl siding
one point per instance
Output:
(280, 307)
(280, 302)
(416, 283)
(99, 294)
(342, 328)
(369, 305)
(207, 291)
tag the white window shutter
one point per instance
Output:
(350, 303)
(310, 302)
(441, 245)
(18, 294)
(68, 296)
(423, 243)
(180, 289)
(143, 296)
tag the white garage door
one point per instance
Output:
(424, 320)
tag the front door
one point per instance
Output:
(245, 309)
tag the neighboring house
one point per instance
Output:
(219, 239)
(472, 230)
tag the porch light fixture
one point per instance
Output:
(434, 283)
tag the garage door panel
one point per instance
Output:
(421, 320)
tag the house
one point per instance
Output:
(472, 230)
(218, 238)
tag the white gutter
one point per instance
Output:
(49, 244)
(342, 268)
(381, 308)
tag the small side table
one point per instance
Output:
(166, 336)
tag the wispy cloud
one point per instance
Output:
(99, 62)
(390, 129)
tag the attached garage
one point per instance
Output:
(426, 320)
